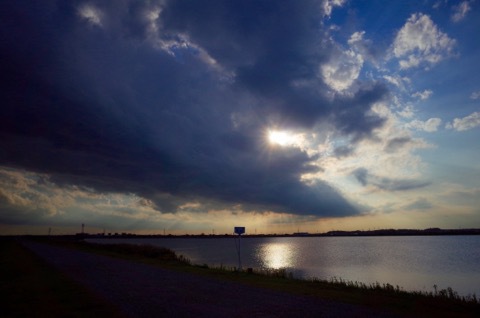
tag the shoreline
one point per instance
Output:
(356, 233)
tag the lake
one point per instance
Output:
(411, 262)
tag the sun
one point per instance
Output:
(281, 138)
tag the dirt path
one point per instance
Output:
(141, 290)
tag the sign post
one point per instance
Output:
(239, 230)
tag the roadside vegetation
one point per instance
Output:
(438, 303)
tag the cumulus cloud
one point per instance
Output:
(342, 70)
(475, 95)
(423, 95)
(430, 125)
(469, 122)
(364, 46)
(32, 198)
(407, 111)
(344, 66)
(439, 4)
(328, 6)
(460, 11)
(401, 82)
(170, 100)
(91, 14)
(23, 195)
(420, 42)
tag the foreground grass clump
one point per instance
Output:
(447, 294)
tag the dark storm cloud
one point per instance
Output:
(110, 105)
(275, 50)
(365, 178)
(352, 115)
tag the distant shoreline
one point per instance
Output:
(358, 233)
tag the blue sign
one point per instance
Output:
(239, 230)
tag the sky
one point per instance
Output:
(188, 117)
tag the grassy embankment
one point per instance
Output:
(443, 303)
(31, 288)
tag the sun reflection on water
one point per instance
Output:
(277, 255)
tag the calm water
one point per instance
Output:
(412, 262)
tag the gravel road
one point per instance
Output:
(141, 290)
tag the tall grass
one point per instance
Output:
(340, 283)
(445, 294)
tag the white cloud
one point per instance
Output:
(356, 37)
(344, 67)
(407, 112)
(329, 4)
(439, 4)
(29, 197)
(358, 43)
(151, 17)
(365, 47)
(400, 82)
(423, 95)
(342, 70)
(172, 43)
(390, 157)
(390, 151)
(460, 11)
(475, 95)
(90, 13)
(29, 192)
(431, 125)
(420, 41)
(465, 123)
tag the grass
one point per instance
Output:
(444, 303)
(439, 303)
(31, 288)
